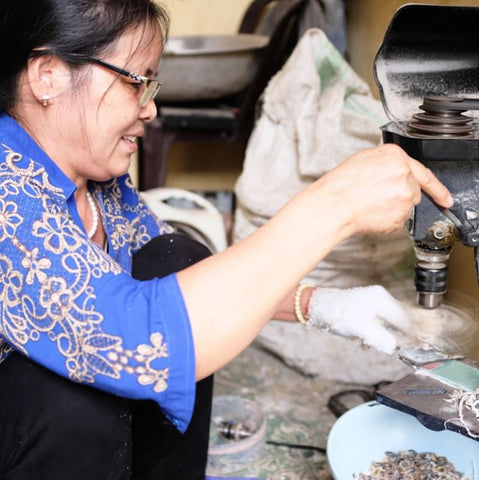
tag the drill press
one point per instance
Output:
(445, 140)
(427, 70)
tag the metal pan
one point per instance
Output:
(208, 67)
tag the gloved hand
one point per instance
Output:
(369, 313)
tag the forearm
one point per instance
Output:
(232, 295)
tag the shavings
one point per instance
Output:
(411, 465)
(463, 401)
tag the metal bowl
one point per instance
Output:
(363, 435)
(208, 66)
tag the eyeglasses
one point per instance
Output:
(152, 85)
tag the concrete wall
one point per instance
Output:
(204, 166)
(190, 17)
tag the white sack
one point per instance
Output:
(316, 112)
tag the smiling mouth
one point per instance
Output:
(130, 139)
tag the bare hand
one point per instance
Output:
(381, 186)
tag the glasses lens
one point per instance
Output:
(150, 92)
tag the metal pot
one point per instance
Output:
(208, 66)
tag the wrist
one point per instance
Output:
(302, 299)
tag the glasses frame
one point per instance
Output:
(152, 85)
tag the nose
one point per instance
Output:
(149, 111)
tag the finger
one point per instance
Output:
(379, 337)
(394, 314)
(416, 190)
(387, 307)
(371, 331)
(430, 184)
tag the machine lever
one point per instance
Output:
(468, 230)
(451, 216)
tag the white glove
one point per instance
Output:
(369, 313)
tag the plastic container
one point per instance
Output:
(237, 432)
(363, 435)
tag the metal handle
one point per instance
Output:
(468, 230)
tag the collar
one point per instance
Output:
(15, 137)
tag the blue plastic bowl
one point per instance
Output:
(363, 435)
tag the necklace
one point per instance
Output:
(94, 212)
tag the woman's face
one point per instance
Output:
(104, 118)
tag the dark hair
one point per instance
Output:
(86, 27)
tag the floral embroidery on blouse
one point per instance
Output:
(71, 306)
(65, 307)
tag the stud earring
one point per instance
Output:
(45, 100)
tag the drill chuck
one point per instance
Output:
(431, 285)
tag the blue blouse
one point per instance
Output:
(75, 309)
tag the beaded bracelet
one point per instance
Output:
(304, 319)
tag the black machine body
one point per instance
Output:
(427, 70)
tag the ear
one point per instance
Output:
(48, 77)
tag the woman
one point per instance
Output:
(76, 89)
